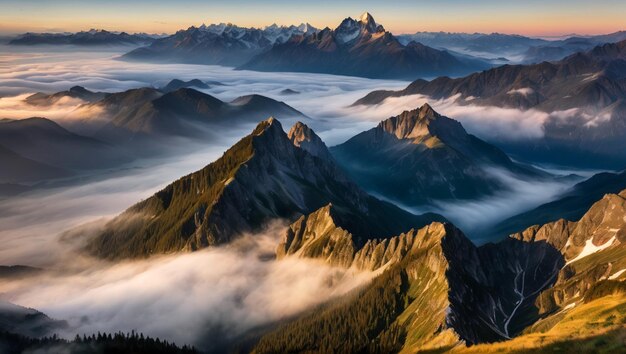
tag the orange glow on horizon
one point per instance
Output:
(529, 23)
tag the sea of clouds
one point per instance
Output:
(229, 289)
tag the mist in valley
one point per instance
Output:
(229, 289)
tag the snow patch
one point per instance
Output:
(570, 306)
(590, 249)
(524, 91)
(617, 274)
(346, 37)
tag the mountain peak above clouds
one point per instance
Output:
(368, 20)
(420, 156)
(419, 123)
(263, 177)
(350, 29)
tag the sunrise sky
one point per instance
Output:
(529, 17)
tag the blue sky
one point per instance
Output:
(401, 16)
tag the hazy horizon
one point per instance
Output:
(531, 18)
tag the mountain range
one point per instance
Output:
(545, 287)
(92, 37)
(119, 128)
(513, 47)
(357, 47)
(420, 156)
(146, 112)
(222, 44)
(360, 48)
(176, 109)
(588, 88)
(267, 175)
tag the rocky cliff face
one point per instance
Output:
(420, 156)
(593, 248)
(490, 290)
(303, 137)
(480, 294)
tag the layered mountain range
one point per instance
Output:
(433, 288)
(515, 48)
(48, 144)
(421, 156)
(176, 109)
(360, 47)
(585, 93)
(119, 128)
(267, 175)
(223, 44)
(92, 37)
(144, 112)
(440, 292)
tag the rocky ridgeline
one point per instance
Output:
(492, 292)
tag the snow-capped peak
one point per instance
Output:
(369, 23)
(367, 18)
(349, 29)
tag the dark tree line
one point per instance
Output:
(101, 343)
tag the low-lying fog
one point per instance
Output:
(231, 288)
(204, 298)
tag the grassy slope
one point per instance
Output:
(597, 326)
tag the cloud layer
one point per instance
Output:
(217, 293)
(221, 290)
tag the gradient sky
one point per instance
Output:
(530, 17)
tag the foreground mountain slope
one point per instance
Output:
(359, 48)
(438, 291)
(262, 177)
(595, 326)
(420, 155)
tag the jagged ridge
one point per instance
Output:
(262, 177)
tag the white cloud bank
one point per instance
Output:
(217, 293)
